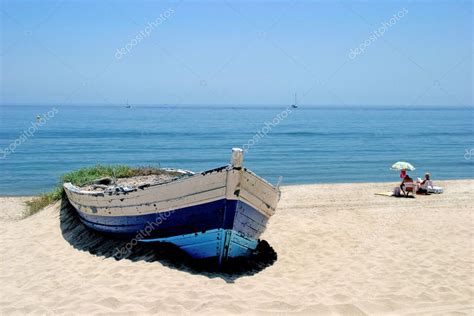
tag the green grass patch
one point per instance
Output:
(85, 176)
(43, 200)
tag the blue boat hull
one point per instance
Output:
(219, 243)
(222, 228)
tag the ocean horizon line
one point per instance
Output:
(203, 105)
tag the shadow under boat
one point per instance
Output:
(82, 238)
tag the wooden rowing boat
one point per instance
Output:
(217, 213)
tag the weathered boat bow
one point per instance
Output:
(217, 213)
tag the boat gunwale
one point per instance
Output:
(68, 186)
(152, 202)
(273, 187)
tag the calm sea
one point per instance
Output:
(306, 145)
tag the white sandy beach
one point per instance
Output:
(341, 250)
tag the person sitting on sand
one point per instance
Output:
(423, 185)
(403, 185)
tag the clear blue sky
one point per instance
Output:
(245, 52)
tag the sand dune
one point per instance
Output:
(341, 250)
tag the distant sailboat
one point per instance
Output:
(128, 106)
(295, 106)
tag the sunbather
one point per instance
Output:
(425, 184)
(407, 185)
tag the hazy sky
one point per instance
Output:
(237, 52)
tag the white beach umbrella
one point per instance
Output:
(402, 165)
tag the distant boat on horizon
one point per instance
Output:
(128, 106)
(295, 106)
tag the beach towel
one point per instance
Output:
(389, 193)
(430, 188)
(434, 189)
(397, 192)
